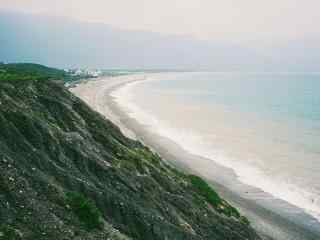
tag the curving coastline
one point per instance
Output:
(98, 94)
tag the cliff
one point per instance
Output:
(69, 173)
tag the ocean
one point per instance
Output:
(263, 126)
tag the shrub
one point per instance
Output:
(205, 190)
(85, 209)
(228, 210)
(244, 220)
(214, 199)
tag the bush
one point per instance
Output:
(228, 210)
(214, 199)
(205, 190)
(85, 209)
(244, 220)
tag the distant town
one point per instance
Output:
(86, 73)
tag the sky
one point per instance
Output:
(242, 21)
(269, 35)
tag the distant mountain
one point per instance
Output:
(64, 42)
(69, 173)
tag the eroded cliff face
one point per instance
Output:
(69, 173)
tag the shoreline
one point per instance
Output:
(97, 93)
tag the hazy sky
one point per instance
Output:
(239, 20)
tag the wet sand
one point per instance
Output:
(272, 218)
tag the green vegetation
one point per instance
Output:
(228, 210)
(51, 142)
(205, 190)
(8, 233)
(85, 209)
(214, 199)
(244, 220)
(29, 71)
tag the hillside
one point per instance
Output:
(29, 71)
(69, 173)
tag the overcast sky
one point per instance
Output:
(238, 20)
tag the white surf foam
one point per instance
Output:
(198, 145)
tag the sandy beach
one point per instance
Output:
(270, 220)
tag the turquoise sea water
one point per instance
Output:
(264, 126)
(275, 96)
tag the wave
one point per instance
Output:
(199, 145)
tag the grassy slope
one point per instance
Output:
(69, 173)
(29, 71)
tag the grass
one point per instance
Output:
(85, 209)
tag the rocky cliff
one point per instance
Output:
(69, 173)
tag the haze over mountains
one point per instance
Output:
(63, 42)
